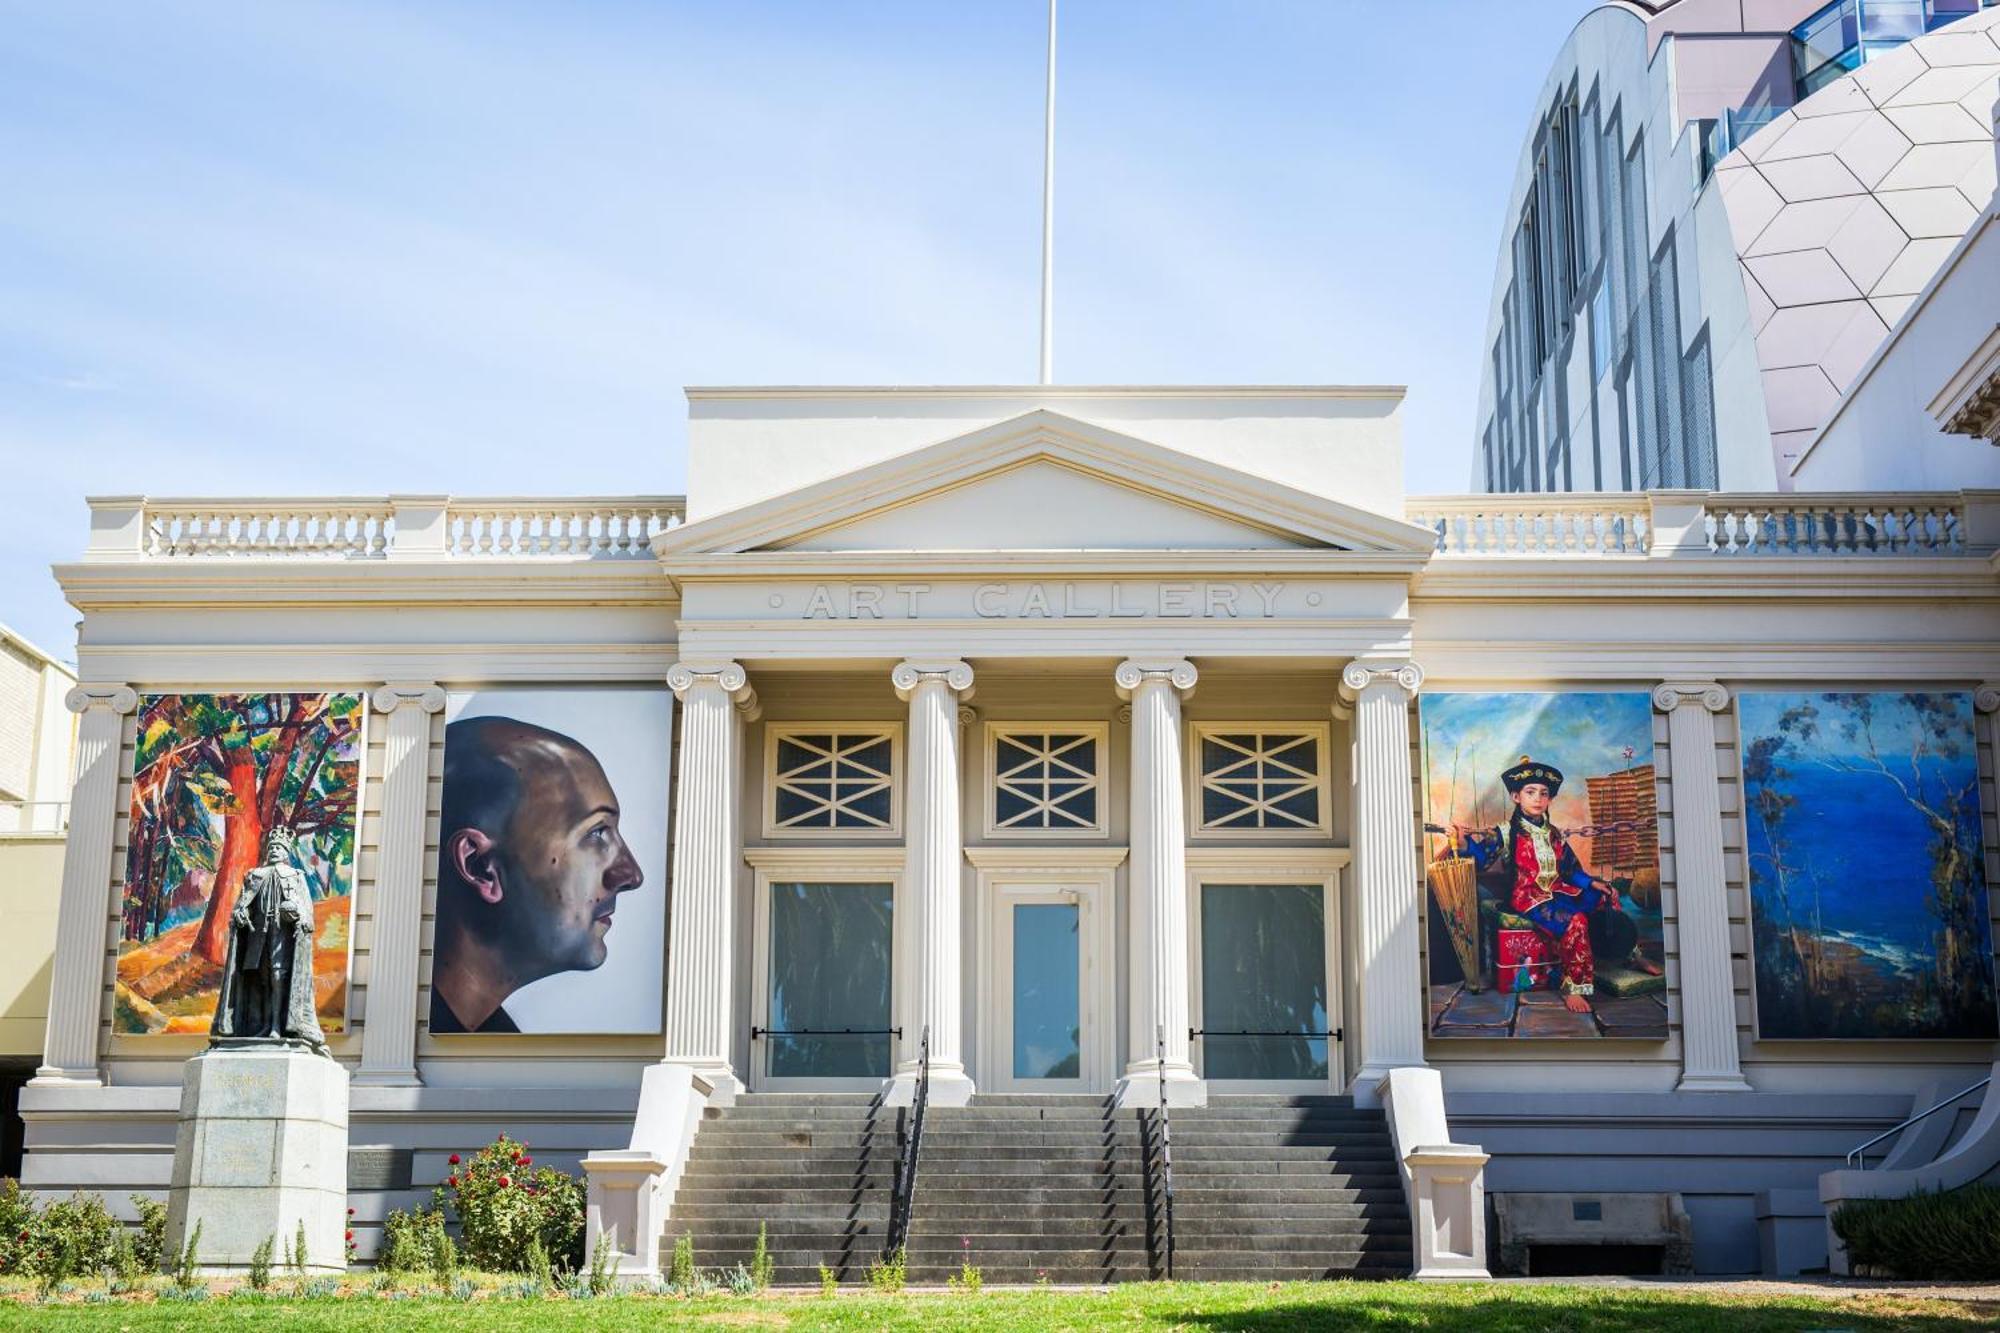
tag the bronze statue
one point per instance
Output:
(267, 972)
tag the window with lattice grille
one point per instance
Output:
(1045, 778)
(832, 780)
(1260, 779)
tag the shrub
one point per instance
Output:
(189, 1261)
(260, 1263)
(503, 1200)
(73, 1237)
(409, 1239)
(829, 1281)
(762, 1266)
(17, 1226)
(150, 1245)
(538, 1268)
(681, 1273)
(1953, 1235)
(887, 1274)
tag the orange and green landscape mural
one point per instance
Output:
(212, 776)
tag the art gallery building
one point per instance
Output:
(1061, 747)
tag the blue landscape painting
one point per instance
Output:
(1869, 914)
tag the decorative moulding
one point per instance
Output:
(1268, 860)
(1053, 860)
(883, 860)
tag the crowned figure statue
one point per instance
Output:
(267, 971)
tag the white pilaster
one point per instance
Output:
(389, 1027)
(1158, 882)
(716, 700)
(1709, 1056)
(1387, 915)
(76, 986)
(933, 883)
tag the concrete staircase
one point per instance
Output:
(1062, 1187)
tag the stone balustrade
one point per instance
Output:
(1680, 523)
(1634, 524)
(380, 527)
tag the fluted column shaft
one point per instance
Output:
(76, 986)
(1710, 1059)
(1158, 886)
(1387, 906)
(933, 884)
(389, 1027)
(716, 699)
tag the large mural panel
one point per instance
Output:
(214, 777)
(1868, 903)
(552, 861)
(1542, 875)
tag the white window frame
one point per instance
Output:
(1100, 732)
(1092, 872)
(775, 732)
(821, 865)
(1197, 829)
(1322, 866)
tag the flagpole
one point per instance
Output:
(1049, 210)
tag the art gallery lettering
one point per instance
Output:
(1044, 601)
(1051, 757)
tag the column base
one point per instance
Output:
(386, 1078)
(49, 1076)
(1713, 1083)
(720, 1076)
(1140, 1088)
(1366, 1085)
(950, 1086)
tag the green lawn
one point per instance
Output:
(1252, 1307)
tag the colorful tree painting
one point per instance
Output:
(1869, 914)
(212, 776)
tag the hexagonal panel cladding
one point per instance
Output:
(1843, 208)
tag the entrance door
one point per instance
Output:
(1047, 1013)
(1266, 1009)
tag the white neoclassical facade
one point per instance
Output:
(1018, 731)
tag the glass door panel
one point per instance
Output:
(1263, 982)
(1048, 991)
(832, 947)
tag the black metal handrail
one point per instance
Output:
(1334, 1035)
(904, 1199)
(757, 1032)
(1166, 1141)
(1858, 1157)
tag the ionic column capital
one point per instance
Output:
(729, 677)
(954, 673)
(1135, 672)
(400, 694)
(1987, 698)
(1672, 694)
(120, 699)
(1364, 672)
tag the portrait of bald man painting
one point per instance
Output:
(551, 876)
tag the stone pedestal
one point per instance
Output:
(260, 1147)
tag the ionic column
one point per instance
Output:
(1709, 1057)
(933, 884)
(1387, 905)
(716, 700)
(389, 1028)
(76, 985)
(1158, 884)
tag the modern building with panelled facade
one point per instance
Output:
(1050, 754)
(1720, 211)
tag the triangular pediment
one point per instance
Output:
(1046, 482)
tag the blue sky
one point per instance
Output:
(340, 248)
